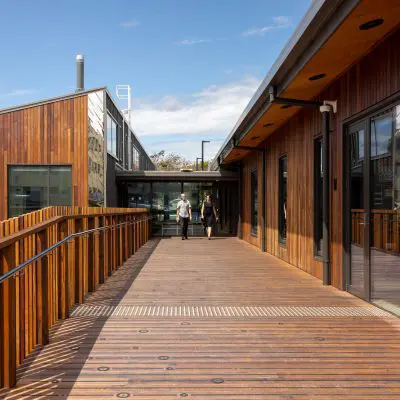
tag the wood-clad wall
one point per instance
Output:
(371, 80)
(51, 133)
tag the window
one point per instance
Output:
(318, 192)
(135, 159)
(112, 132)
(282, 210)
(254, 203)
(33, 187)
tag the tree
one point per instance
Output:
(173, 162)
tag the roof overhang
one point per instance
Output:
(327, 41)
(175, 176)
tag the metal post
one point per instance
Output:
(197, 163)
(202, 153)
(325, 109)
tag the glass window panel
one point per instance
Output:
(254, 203)
(381, 135)
(60, 186)
(165, 198)
(318, 193)
(139, 195)
(282, 210)
(35, 187)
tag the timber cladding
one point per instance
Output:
(373, 79)
(51, 133)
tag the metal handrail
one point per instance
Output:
(20, 267)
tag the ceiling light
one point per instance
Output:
(286, 106)
(316, 77)
(371, 24)
(268, 125)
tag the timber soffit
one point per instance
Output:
(320, 21)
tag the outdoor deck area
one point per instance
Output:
(215, 320)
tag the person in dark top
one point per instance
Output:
(209, 215)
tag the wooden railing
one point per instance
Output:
(49, 261)
(385, 229)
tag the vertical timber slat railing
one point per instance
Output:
(81, 248)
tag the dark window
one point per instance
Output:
(282, 210)
(254, 203)
(112, 132)
(318, 175)
(33, 187)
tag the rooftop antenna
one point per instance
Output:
(124, 93)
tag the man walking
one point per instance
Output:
(184, 214)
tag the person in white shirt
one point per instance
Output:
(184, 215)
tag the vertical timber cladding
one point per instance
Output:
(50, 133)
(96, 142)
(371, 80)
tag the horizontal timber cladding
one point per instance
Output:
(373, 79)
(52, 133)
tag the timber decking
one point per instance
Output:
(249, 356)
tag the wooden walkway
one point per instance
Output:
(216, 320)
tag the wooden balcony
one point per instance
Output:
(215, 320)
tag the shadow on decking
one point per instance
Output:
(58, 365)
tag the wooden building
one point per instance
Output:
(65, 151)
(338, 78)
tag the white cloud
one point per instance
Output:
(129, 24)
(214, 110)
(189, 42)
(19, 93)
(280, 22)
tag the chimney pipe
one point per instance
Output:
(80, 73)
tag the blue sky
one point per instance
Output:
(192, 64)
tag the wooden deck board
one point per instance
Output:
(210, 357)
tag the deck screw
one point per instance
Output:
(163, 358)
(185, 323)
(123, 395)
(169, 368)
(143, 331)
(184, 395)
(75, 348)
(103, 369)
(218, 380)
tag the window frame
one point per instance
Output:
(254, 203)
(282, 240)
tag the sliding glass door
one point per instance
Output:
(373, 180)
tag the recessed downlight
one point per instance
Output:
(268, 125)
(286, 106)
(316, 77)
(255, 137)
(371, 24)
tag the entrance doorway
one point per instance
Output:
(373, 208)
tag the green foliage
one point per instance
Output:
(173, 162)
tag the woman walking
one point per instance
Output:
(209, 215)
